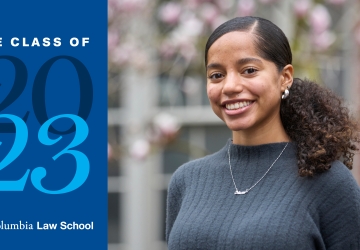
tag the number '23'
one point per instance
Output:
(21, 136)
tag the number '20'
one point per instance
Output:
(80, 127)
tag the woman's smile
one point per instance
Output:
(237, 107)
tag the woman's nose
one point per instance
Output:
(232, 84)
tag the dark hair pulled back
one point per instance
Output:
(271, 42)
(313, 116)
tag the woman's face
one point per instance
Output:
(244, 89)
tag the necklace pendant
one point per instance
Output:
(241, 192)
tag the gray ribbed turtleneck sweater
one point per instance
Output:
(283, 211)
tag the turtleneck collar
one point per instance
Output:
(250, 163)
(264, 154)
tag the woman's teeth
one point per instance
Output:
(237, 105)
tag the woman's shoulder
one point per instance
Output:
(206, 161)
(338, 173)
(338, 186)
(191, 167)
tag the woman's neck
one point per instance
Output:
(267, 134)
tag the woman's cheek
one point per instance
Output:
(211, 92)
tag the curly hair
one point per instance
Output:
(313, 116)
(320, 125)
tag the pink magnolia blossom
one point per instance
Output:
(246, 7)
(208, 12)
(167, 124)
(140, 149)
(121, 54)
(170, 12)
(302, 7)
(185, 35)
(190, 25)
(320, 19)
(324, 40)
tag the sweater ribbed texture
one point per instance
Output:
(283, 211)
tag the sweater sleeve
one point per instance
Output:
(174, 199)
(340, 211)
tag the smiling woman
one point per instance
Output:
(279, 183)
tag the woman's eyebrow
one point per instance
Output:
(248, 60)
(213, 66)
(240, 62)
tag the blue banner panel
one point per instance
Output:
(53, 124)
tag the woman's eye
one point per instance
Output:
(250, 71)
(215, 76)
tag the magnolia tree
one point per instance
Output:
(183, 27)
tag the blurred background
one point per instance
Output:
(158, 112)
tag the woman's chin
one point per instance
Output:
(236, 126)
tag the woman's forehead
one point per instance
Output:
(235, 42)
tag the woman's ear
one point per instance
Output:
(287, 77)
